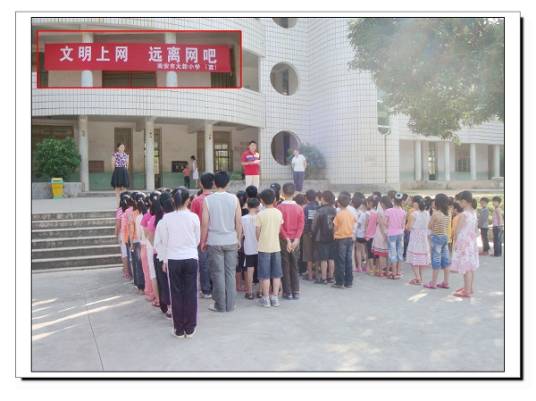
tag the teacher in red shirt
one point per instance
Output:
(251, 162)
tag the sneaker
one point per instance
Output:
(176, 333)
(205, 296)
(169, 316)
(189, 335)
(337, 286)
(275, 300)
(214, 309)
(287, 296)
(296, 296)
(265, 302)
(330, 280)
(348, 286)
(321, 282)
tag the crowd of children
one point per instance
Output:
(262, 243)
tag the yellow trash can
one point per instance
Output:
(56, 185)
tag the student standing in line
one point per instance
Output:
(166, 201)
(221, 232)
(498, 226)
(180, 236)
(308, 251)
(250, 244)
(149, 226)
(440, 252)
(418, 252)
(322, 229)
(483, 224)
(344, 226)
(395, 222)
(465, 253)
(268, 225)
(207, 183)
(290, 234)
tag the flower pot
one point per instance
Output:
(56, 187)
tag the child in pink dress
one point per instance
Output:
(121, 231)
(465, 252)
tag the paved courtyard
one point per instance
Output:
(94, 321)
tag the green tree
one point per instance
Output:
(56, 157)
(441, 72)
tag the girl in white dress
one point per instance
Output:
(465, 252)
(418, 252)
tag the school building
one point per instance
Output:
(295, 87)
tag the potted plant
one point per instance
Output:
(56, 159)
(316, 164)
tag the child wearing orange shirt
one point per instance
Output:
(344, 227)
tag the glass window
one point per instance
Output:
(463, 161)
(284, 79)
(285, 22)
(383, 115)
(283, 143)
(43, 75)
(127, 79)
(222, 157)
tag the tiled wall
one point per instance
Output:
(334, 107)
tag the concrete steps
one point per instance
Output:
(74, 223)
(44, 243)
(74, 240)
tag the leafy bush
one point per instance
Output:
(316, 164)
(56, 157)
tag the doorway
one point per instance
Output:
(222, 151)
(124, 136)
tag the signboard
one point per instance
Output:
(137, 57)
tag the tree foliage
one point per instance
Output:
(441, 72)
(56, 157)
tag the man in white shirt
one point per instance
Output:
(299, 164)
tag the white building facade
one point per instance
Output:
(297, 87)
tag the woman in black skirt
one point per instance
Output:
(120, 180)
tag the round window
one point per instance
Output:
(283, 143)
(285, 22)
(284, 79)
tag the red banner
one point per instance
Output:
(137, 57)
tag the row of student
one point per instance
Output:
(163, 243)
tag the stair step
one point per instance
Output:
(63, 242)
(48, 253)
(74, 223)
(68, 232)
(72, 215)
(76, 261)
(73, 268)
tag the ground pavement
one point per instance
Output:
(95, 321)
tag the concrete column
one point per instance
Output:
(83, 149)
(472, 160)
(149, 153)
(418, 161)
(209, 146)
(171, 76)
(496, 160)
(447, 160)
(86, 79)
